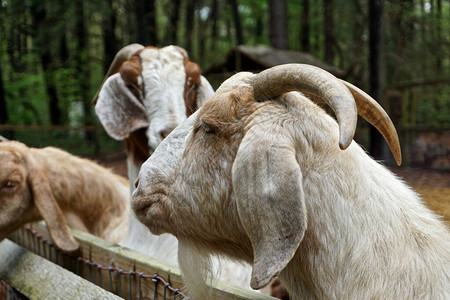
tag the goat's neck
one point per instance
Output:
(368, 234)
(92, 198)
(138, 151)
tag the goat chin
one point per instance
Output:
(139, 238)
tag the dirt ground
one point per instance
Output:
(434, 186)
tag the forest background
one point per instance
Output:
(54, 54)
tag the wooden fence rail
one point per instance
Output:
(38, 278)
(108, 265)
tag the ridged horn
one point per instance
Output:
(123, 55)
(281, 79)
(372, 112)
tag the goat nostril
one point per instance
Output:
(165, 133)
(136, 182)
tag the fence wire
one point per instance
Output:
(100, 275)
(7, 292)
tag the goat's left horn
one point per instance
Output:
(281, 79)
(3, 139)
(121, 56)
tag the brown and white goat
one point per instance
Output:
(63, 190)
(147, 92)
(260, 174)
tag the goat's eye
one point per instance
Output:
(136, 182)
(208, 129)
(10, 184)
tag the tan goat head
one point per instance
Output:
(25, 191)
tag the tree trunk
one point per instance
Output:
(278, 24)
(63, 51)
(190, 15)
(16, 38)
(203, 23)
(237, 22)
(146, 22)
(214, 17)
(259, 29)
(304, 35)
(328, 31)
(109, 38)
(82, 68)
(375, 67)
(3, 108)
(174, 16)
(43, 41)
(439, 44)
(355, 64)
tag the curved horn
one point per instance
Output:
(121, 56)
(3, 139)
(311, 80)
(371, 111)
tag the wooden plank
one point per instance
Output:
(38, 278)
(109, 254)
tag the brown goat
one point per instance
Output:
(62, 189)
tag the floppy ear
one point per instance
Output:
(48, 208)
(118, 109)
(267, 182)
(204, 92)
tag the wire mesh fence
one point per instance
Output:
(8, 292)
(125, 283)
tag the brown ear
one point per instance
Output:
(192, 82)
(49, 209)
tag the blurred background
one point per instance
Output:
(54, 54)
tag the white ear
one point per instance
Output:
(267, 182)
(204, 92)
(119, 111)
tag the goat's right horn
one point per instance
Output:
(123, 55)
(371, 111)
(311, 80)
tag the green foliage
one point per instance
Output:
(415, 47)
(30, 98)
(433, 109)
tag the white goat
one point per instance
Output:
(62, 189)
(257, 175)
(146, 93)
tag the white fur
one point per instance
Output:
(363, 233)
(164, 77)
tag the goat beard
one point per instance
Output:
(197, 270)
